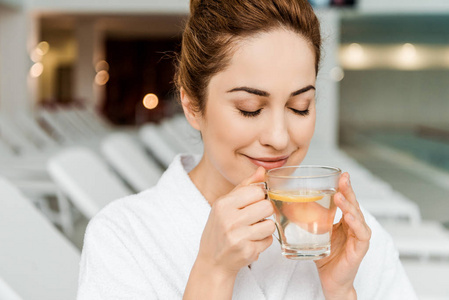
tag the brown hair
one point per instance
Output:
(214, 26)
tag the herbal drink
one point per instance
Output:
(304, 220)
(303, 201)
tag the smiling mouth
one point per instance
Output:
(269, 162)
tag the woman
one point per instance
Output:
(246, 77)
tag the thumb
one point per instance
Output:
(258, 176)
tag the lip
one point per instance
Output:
(269, 162)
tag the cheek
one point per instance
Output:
(228, 131)
(310, 128)
(226, 135)
(303, 131)
(301, 140)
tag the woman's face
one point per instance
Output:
(260, 111)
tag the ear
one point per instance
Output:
(191, 115)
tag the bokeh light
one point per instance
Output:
(102, 65)
(337, 74)
(408, 56)
(42, 48)
(355, 52)
(36, 56)
(150, 101)
(354, 56)
(36, 70)
(102, 77)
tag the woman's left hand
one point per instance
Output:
(350, 242)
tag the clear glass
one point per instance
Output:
(303, 200)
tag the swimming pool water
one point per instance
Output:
(427, 149)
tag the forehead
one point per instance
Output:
(270, 60)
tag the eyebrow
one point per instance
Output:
(266, 94)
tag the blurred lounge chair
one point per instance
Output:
(86, 179)
(377, 196)
(429, 279)
(124, 153)
(393, 206)
(60, 128)
(6, 292)
(174, 138)
(426, 240)
(75, 125)
(25, 166)
(152, 137)
(188, 138)
(24, 146)
(27, 123)
(94, 120)
(15, 137)
(36, 260)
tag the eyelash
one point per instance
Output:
(250, 114)
(301, 112)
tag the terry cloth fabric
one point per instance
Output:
(144, 246)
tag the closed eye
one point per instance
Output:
(250, 114)
(301, 112)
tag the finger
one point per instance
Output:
(346, 206)
(246, 195)
(360, 229)
(255, 212)
(261, 230)
(351, 213)
(258, 176)
(262, 245)
(346, 189)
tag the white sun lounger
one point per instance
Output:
(428, 239)
(86, 179)
(129, 158)
(153, 139)
(36, 260)
(429, 279)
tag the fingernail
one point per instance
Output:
(342, 197)
(350, 217)
(348, 181)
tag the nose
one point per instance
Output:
(275, 133)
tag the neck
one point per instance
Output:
(209, 181)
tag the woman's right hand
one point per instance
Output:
(236, 232)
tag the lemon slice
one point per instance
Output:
(291, 197)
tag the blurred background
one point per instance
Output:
(88, 114)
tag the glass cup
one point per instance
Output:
(303, 201)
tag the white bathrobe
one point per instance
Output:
(144, 246)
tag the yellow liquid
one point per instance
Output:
(294, 196)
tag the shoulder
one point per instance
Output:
(119, 215)
(136, 216)
(129, 203)
(134, 205)
(127, 207)
(112, 249)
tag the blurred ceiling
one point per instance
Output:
(11, 3)
(355, 27)
(122, 26)
(387, 29)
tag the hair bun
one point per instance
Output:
(194, 5)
